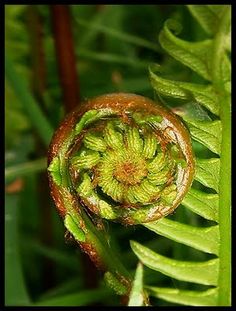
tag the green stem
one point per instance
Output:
(30, 105)
(109, 256)
(95, 242)
(25, 168)
(219, 47)
(224, 280)
(225, 207)
(100, 250)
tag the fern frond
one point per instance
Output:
(205, 239)
(210, 61)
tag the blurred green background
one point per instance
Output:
(114, 45)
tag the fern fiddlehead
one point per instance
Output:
(121, 157)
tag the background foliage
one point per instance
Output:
(114, 46)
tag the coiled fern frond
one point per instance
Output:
(121, 157)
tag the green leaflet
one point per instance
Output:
(106, 210)
(197, 272)
(85, 188)
(208, 16)
(57, 168)
(203, 94)
(207, 133)
(192, 54)
(89, 117)
(114, 283)
(54, 169)
(87, 160)
(207, 172)
(94, 142)
(185, 297)
(112, 137)
(150, 145)
(203, 204)
(204, 239)
(136, 295)
(73, 228)
(134, 141)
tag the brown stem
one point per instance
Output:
(63, 38)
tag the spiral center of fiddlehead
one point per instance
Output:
(119, 163)
(122, 168)
(130, 172)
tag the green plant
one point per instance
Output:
(102, 159)
(124, 158)
(209, 59)
(116, 53)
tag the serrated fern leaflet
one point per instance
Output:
(209, 59)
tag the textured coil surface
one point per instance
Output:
(123, 157)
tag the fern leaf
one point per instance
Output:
(197, 272)
(209, 59)
(136, 296)
(203, 94)
(208, 16)
(206, 132)
(185, 297)
(191, 54)
(208, 172)
(203, 204)
(203, 239)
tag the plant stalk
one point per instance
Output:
(225, 170)
(64, 47)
